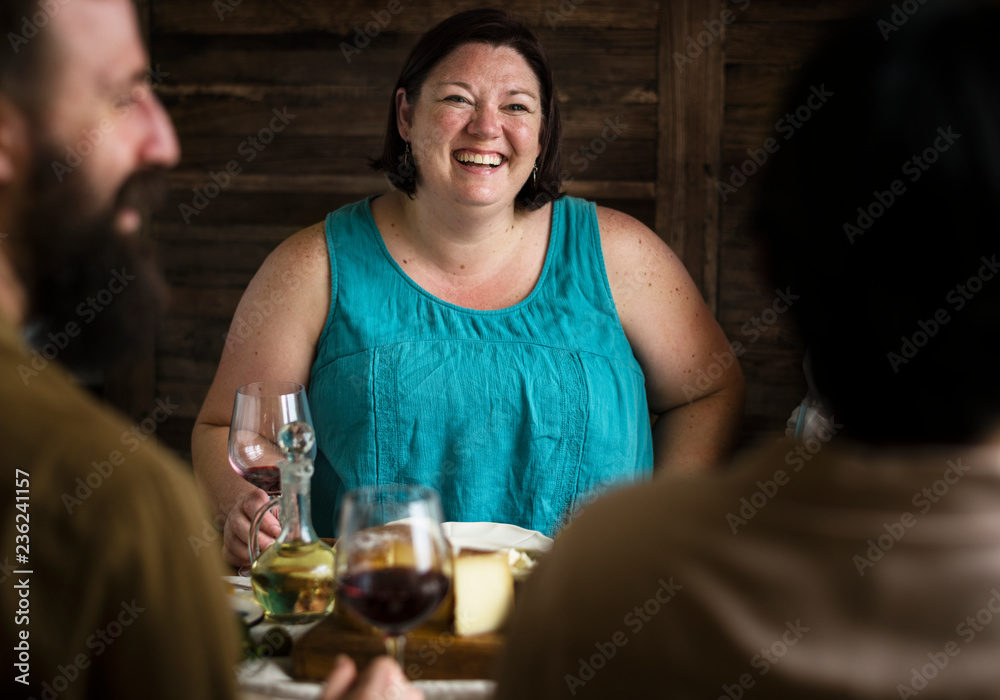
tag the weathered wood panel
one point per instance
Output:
(747, 11)
(404, 16)
(579, 59)
(690, 126)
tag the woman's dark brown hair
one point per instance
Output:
(496, 28)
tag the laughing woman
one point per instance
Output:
(471, 330)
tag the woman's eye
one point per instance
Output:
(457, 98)
(518, 108)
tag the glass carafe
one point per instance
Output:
(293, 578)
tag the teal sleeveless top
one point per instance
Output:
(516, 415)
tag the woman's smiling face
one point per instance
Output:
(474, 130)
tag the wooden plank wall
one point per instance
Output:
(230, 67)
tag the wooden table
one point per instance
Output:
(432, 651)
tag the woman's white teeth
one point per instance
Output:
(479, 159)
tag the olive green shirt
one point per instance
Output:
(118, 599)
(808, 571)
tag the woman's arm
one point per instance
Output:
(273, 336)
(694, 385)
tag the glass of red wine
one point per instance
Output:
(393, 566)
(260, 410)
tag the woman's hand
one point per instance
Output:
(382, 679)
(236, 533)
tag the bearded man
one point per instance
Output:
(102, 595)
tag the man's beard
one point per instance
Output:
(93, 293)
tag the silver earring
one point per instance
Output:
(534, 174)
(406, 156)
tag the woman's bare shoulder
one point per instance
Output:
(299, 259)
(629, 245)
(305, 246)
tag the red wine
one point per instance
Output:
(265, 478)
(394, 599)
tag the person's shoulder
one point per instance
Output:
(84, 454)
(309, 247)
(624, 239)
(117, 480)
(658, 510)
(618, 222)
(639, 265)
(55, 413)
(129, 450)
(306, 244)
(301, 260)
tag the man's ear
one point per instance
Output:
(13, 140)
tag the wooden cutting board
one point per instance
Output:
(433, 652)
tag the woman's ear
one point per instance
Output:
(404, 114)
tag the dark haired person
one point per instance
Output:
(471, 330)
(869, 568)
(102, 595)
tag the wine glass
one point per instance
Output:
(393, 566)
(260, 410)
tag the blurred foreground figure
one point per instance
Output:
(864, 562)
(103, 595)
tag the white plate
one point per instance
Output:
(492, 536)
(250, 611)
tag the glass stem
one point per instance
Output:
(396, 648)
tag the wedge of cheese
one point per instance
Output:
(484, 592)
